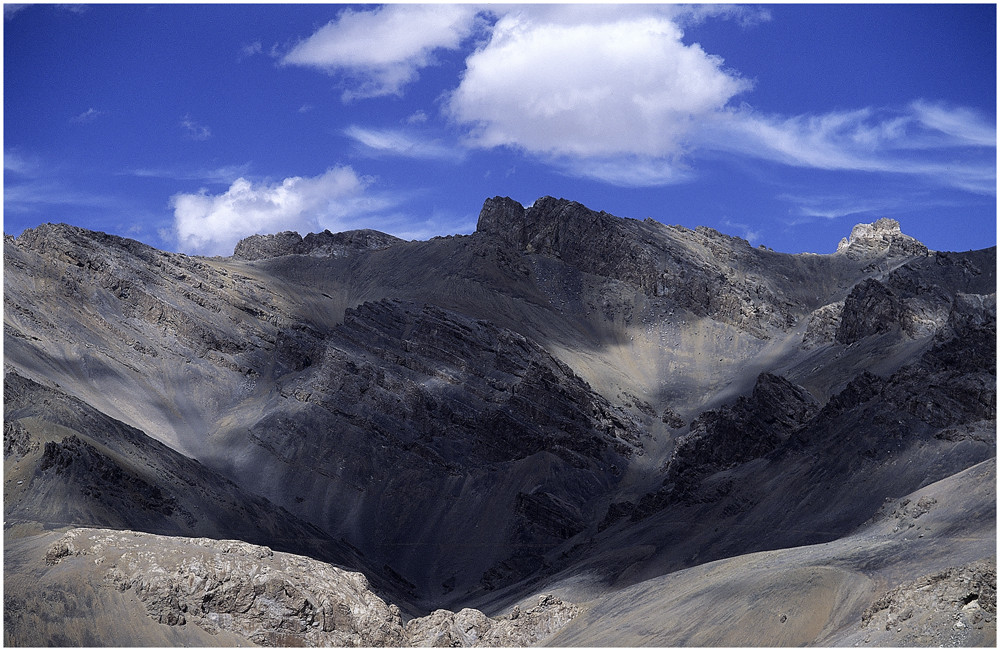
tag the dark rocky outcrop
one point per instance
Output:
(748, 429)
(325, 244)
(461, 409)
(871, 308)
(77, 466)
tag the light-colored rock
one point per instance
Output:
(471, 628)
(881, 236)
(271, 598)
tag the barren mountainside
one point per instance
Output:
(566, 428)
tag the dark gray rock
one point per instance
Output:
(748, 429)
(258, 247)
(325, 244)
(870, 309)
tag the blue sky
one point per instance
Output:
(190, 126)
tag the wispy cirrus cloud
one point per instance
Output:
(960, 125)
(749, 234)
(869, 204)
(12, 9)
(406, 144)
(89, 115)
(39, 195)
(225, 174)
(383, 49)
(16, 161)
(212, 224)
(949, 147)
(193, 130)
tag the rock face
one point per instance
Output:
(750, 428)
(471, 628)
(954, 607)
(459, 408)
(67, 463)
(272, 598)
(565, 403)
(870, 309)
(881, 236)
(713, 278)
(260, 247)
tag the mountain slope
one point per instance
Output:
(563, 398)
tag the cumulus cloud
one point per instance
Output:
(615, 94)
(382, 50)
(611, 93)
(207, 224)
(617, 84)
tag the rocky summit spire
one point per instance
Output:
(882, 236)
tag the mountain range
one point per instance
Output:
(567, 428)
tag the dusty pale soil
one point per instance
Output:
(819, 594)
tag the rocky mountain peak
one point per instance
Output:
(258, 247)
(502, 217)
(881, 236)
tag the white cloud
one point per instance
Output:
(251, 49)
(402, 143)
(610, 93)
(42, 194)
(745, 15)
(89, 115)
(418, 117)
(206, 224)
(960, 124)
(749, 234)
(837, 206)
(384, 48)
(613, 93)
(226, 174)
(589, 85)
(625, 171)
(18, 163)
(11, 10)
(953, 149)
(194, 130)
